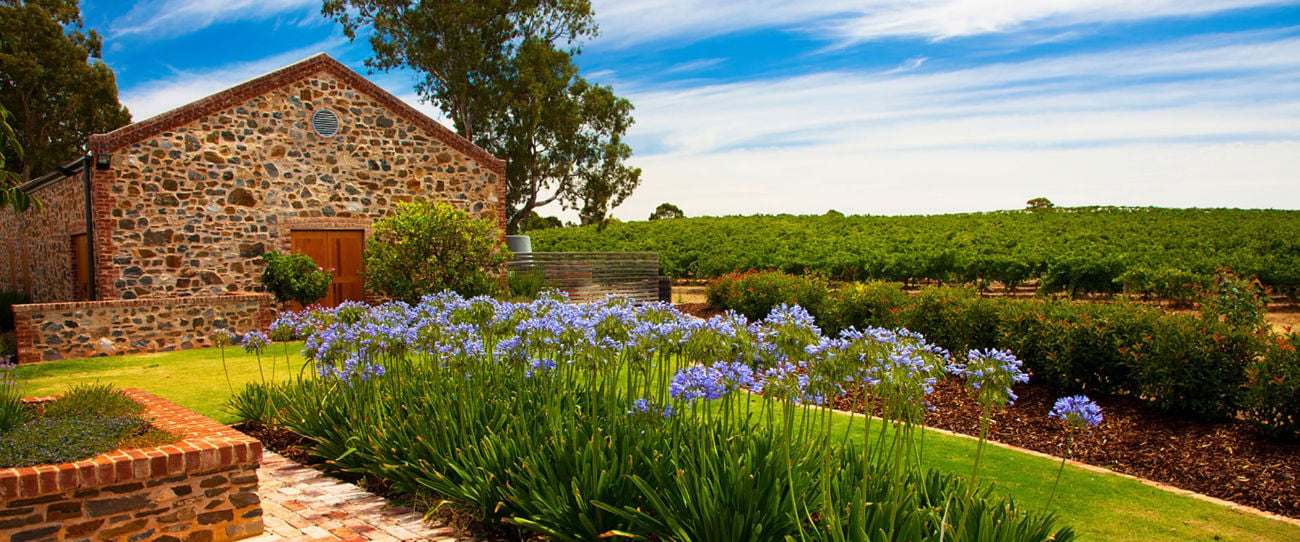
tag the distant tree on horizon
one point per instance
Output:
(1039, 204)
(667, 211)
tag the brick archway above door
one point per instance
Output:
(339, 251)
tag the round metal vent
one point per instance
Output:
(325, 123)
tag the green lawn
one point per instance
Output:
(1100, 506)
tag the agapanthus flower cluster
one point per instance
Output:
(991, 373)
(255, 342)
(1077, 411)
(697, 382)
(645, 406)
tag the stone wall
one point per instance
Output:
(201, 488)
(36, 247)
(51, 331)
(192, 209)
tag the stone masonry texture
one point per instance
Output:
(53, 331)
(204, 487)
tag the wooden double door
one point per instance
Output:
(339, 250)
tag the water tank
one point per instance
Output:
(519, 244)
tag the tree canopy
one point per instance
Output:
(666, 211)
(503, 72)
(54, 85)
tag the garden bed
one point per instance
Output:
(204, 486)
(1228, 460)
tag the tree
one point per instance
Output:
(539, 222)
(503, 72)
(425, 248)
(10, 195)
(57, 96)
(1039, 204)
(666, 211)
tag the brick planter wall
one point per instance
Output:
(203, 488)
(52, 331)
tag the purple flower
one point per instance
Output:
(697, 382)
(1077, 410)
(255, 341)
(646, 406)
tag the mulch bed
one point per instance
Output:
(1228, 460)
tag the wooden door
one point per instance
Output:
(80, 268)
(339, 250)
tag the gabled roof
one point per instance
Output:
(139, 131)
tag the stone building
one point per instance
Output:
(181, 206)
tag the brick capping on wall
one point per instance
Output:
(202, 488)
(128, 303)
(132, 133)
(208, 445)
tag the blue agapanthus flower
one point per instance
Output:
(255, 341)
(697, 382)
(1077, 410)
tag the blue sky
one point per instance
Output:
(866, 107)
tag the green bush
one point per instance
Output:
(756, 293)
(954, 317)
(1272, 396)
(426, 248)
(1082, 275)
(1236, 300)
(865, 304)
(1177, 363)
(295, 277)
(1193, 369)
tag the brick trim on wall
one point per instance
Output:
(203, 487)
(207, 445)
(133, 133)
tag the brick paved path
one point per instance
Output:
(300, 505)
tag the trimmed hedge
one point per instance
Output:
(1177, 363)
(756, 293)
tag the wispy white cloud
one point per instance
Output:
(630, 22)
(1153, 125)
(162, 19)
(694, 65)
(184, 86)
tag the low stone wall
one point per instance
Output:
(203, 488)
(52, 331)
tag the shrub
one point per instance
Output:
(1236, 300)
(866, 304)
(1272, 396)
(954, 317)
(425, 248)
(1177, 363)
(1193, 369)
(295, 277)
(755, 293)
